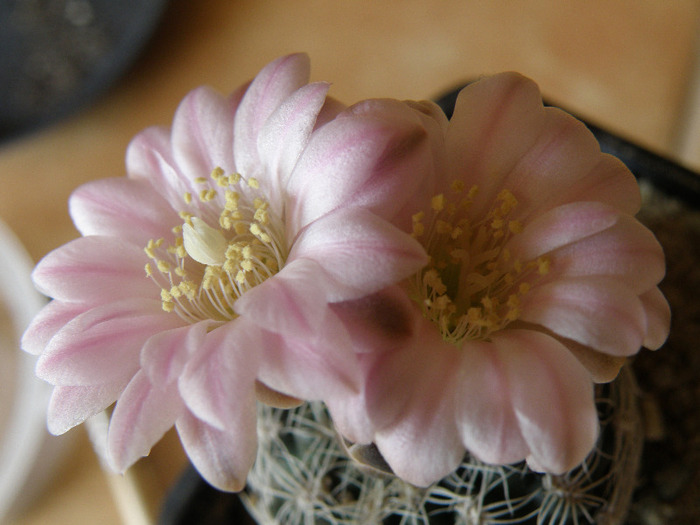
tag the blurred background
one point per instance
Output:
(79, 78)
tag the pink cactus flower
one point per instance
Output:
(540, 283)
(201, 282)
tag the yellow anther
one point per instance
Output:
(149, 269)
(253, 183)
(240, 277)
(262, 216)
(418, 217)
(524, 288)
(437, 203)
(187, 197)
(165, 295)
(216, 173)
(200, 180)
(259, 233)
(418, 229)
(207, 195)
(443, 227)
(542, 265)
(457, 186)
(168, 306)
(175, 292)
(163, 266)
(232, 200)
(459, 254)
(515, 227)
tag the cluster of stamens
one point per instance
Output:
(206, 267)
(472, 285)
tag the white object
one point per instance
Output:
(28, 453)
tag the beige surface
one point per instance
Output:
(627, 64)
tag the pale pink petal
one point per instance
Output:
(362, 160)
(274, 84)
(484, 411)
(70, 406)
(222, 457)
(561, 226)
(286, 132)
(598, 312)
(658, 314)
(501, 136)
(293, 302)
(552, 396)
(165, 354)
(311, 368)
(142, 415)
(202, 133)
(103, 344)
(131, 210)
(627, 251)
(149, 158)
(413, 405)
(565, 165)
(360, 251)
(330, 110)
(496, 121)
(94, 270)
(218, 382)
(50, 319)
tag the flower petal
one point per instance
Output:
(627, 251)
(360, 251)
(50, 319)
(142, 415)
(286, 132)
(165, 354)
(597, 312)
(412, 403)
(501, 136)
(149, 157)
(125, 208)
(496, 121)
(487, 423)
(103, 344)
(222, 457)
(202, 133)
(561, 226)
(94, 270)
(218, 382)
(70, 406)
(293, 302)
(372, 160)
(658, 318)
(274, 84)
(552, 395)
(310, 368)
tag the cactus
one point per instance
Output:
(303, 475)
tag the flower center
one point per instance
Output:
(220, 254)
(472, 286)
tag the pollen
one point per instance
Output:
(211, 260)
(473, 286)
